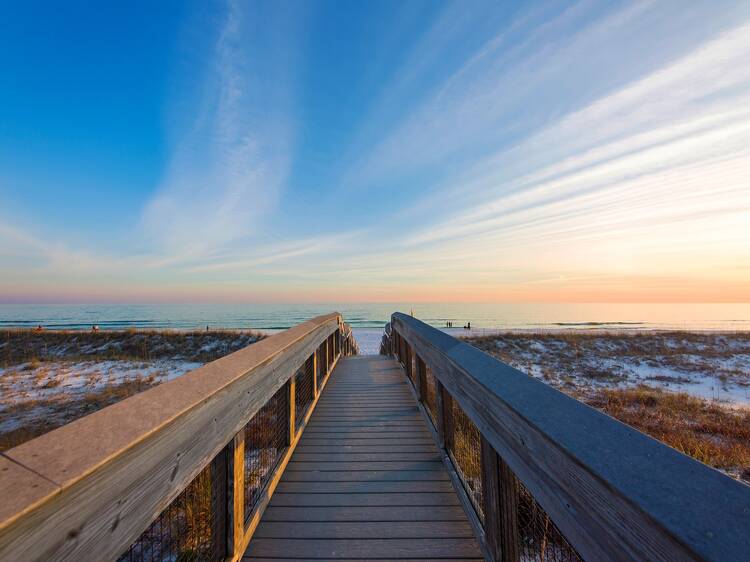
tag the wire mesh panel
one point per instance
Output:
(304, 392)
(183, 531)
(464, 442)
(266, 437)
(539, 538)
(429, 394)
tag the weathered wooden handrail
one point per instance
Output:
(613, 492)
(87, 490)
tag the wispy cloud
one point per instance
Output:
(227, 173)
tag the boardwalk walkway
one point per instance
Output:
(366, 480)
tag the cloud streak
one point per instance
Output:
(227, 173)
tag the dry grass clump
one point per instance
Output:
(31, 346)
(717, 436)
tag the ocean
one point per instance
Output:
(368, 319)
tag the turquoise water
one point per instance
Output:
(481, 316)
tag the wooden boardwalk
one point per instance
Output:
(366, 480)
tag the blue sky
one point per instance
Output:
(309, 151)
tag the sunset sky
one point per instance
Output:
(375, 151)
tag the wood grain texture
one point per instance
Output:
(238, 492)
(373, 493)
(365, 529)
(491, 504)
(507, 515)
(393, 549)
(587, 469)
(114, 471)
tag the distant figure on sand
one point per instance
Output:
(95, 328)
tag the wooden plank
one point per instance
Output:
(365, 487)
(365, 457)
(261, 559)
(369, 448)
(316, 441)
(364, 548)
(392, 404)
(363, 422)
(371, 513)
(372, 416)
(400, 499)
(364, 476)
(370, 465)
(587, 470)
(366, 433)
(365, 529)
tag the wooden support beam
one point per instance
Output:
(440, 413)
(314, 366)
(419, 379)
(500, 505)
(238, 493)
(507, 503)
(407, 357)
(220, 503)
(292, 400)
(446, 408)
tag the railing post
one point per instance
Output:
(441, 412)
(220, 503)
(292, 397)
(508, 494)
(421, 374)
(407, 353)
(325, 355)
(500, 506)
(445, 405)
(314, 364)
(238, 492)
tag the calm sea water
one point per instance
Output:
(369, 319)
(487, 316)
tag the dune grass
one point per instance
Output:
(29, 346)
(715, 435)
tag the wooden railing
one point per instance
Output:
(181, 471)
(545, 477)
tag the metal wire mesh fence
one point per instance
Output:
(464, 442)
(266, 437)
(183, 531)
(429, 394)
(539, 538)
(304, 392)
